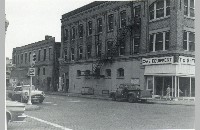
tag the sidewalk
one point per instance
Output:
(106, 97)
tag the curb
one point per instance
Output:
(31, 107)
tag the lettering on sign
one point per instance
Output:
(157, 60)
(31, 71)
(186, 60)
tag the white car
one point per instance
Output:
(21, 93)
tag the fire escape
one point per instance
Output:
(102, 59)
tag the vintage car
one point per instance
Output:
(21, 93)
(15, 111)
(87, 91)
(131, 93)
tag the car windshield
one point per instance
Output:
(18, 89)
(26, 87)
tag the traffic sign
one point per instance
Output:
(31, 71)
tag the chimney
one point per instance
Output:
(47, 37)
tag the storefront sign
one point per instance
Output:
(186, 60)
(157, 60)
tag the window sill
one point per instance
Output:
(157, 19)
(107, 77)
(188, 17)
(120, 78)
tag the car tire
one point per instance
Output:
(131, 98)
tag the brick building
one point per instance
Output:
(150, 43)
(46, 67)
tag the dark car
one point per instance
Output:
(130, 93)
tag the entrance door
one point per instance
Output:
(161, 84)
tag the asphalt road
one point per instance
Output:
(73, 113)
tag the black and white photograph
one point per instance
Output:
(100, 65)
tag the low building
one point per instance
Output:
(46, 66)
(150, 43)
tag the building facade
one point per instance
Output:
(9, 67)
(46, 66)
(150, 43)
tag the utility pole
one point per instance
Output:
(31, 74)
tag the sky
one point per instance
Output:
(31, 20)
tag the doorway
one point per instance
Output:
(161, 84)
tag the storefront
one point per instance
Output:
(162, 72)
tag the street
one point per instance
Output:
(73, 113)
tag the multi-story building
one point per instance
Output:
(46, 67)
(9, 67)
(150, 43)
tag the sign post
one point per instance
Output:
(31, 74)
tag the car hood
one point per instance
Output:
(14, 103)
(34, 92)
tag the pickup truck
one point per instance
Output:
(131, 93)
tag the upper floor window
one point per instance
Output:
(89, 50)
(189, 8)
(80, 51)
(39, 53)
(99, 25)
(122, 48)
(89, 27)
(73, 33)
(66, 34)
(120, 72)
(18, 59)
(80, 28)
(137, 11)
(38, 71)
(72, 54)
(122, 19)
(22, 56)
(44, 71)
(110, 22)
(189, 41)
(78, 73)
(25, 57)
(136, 44)
(109, 48)
(29, 57)
(108, 72)
(159, 9)
(65, 53)
(44, 58)
(50, 53)
(98, 49)
(159, 41)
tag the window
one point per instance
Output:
(159, 41)
(98, 49)
(122, 48)
(45, 51)
(99, 25)
(80, 51)
(122, 19)
(66, 34)
(189, 8)
(137, 10)
(72, 54)
(65, 53)
(50, 52)
(89, 27)
(109, 48)
(78, 73)
(43, 71)
(97, 71)
(14, 61)
(159, 9)
(110, 22)
(87, 72)
(25, 57)
(108, 72)
(73, 33)
(39, 53)
(18, 59)
(38, 71)
(89, 49)
(80, 30)
(120, 72)
(136, 45)
(29, 56)
(22, 58)
(189, 41)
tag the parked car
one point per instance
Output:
(21, 93)
(15, 111)
(87, 91)
(130, 93)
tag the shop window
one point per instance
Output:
(159, 9)
(80, 51)
(80, 30)
(65, 54)
(78, 73)
(99, 25)
(110, 22)
(189, 8)
(89, 49)
(122, 19)
(73, 33)
(108, 72)
(66, 34)
(72, 54)
(189, 41)
(159, 41)
(120, 72)
(89, 27)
